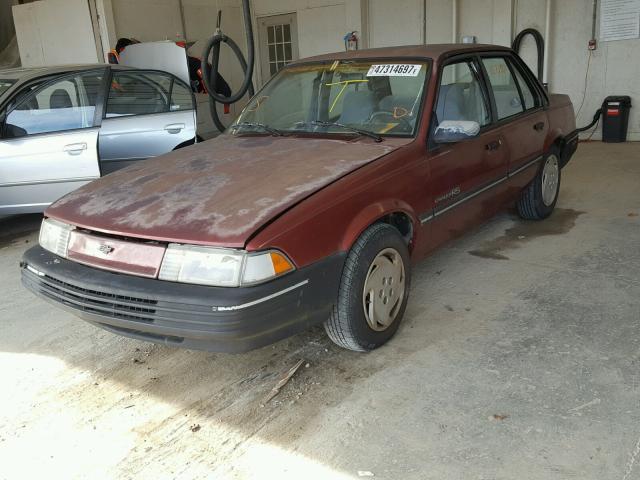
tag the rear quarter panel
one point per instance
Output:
(561, 118)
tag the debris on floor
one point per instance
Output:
(283, 381)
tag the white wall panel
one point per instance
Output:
(55, 32)
(395, 23)
(148, 20)
(324, 29)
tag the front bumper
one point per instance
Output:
(189, 316)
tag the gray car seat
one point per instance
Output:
(357, 107)
(60, 99)
(451, 102)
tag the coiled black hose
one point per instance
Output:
(210, 70)
(537, 36)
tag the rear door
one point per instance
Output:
(519, 110)
(148, 113)
(48, 144)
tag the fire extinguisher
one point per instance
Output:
(351, 41)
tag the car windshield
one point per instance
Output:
(380, 97)
(5, 83)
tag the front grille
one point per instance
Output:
(101, 303)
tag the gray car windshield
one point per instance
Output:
(381, 97)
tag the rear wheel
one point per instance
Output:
(374, 289)
(539, 198)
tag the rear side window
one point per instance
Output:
(138, 94)
(530, 99)
(504, 87)
(180, 97)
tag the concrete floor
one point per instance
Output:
(518, 357)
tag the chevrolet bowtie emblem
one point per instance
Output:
(106, 249)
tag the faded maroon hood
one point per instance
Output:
(218, 192)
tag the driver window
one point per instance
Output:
(68, 104)
(460, 95)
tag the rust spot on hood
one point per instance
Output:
(217, 192)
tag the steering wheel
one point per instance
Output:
(402, 120)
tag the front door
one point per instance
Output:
(464, 174)
(147, 114)
(49, 142)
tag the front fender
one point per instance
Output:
(371, 214)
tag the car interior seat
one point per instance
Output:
(60, 98)
(357, 107)
(451, 101)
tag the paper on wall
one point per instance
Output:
(619, 20)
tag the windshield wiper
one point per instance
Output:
(323, 123)
(266, 128)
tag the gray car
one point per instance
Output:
(61, 127)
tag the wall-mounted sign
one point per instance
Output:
(619, 20)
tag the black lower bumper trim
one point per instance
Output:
(189, 316)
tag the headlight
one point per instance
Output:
(220, 266)
(54, 236)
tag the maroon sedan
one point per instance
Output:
(339, 175)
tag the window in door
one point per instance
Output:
(278, 39)
(460, 95)
(67, 104)
(138, 94)
(181, 97)
(531, 100)
(504, 87)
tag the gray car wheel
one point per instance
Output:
(374, 289)
(539, 198)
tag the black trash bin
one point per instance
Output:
(615, 118)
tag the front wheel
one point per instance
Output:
(374, 289)
(539, 198)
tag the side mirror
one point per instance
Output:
(13, 131)
(451, 131)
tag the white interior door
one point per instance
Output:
(55, 32)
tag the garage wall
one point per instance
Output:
(54, 32)
(614, 67)
(395, 23)
(321, 24)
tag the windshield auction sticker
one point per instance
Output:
(394, 70)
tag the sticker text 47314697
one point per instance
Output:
(394, 70)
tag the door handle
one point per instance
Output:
(538, 126)
(174, 127)
(491, 146)
(75, 148)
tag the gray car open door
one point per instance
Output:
(147, 113)
(48, 143)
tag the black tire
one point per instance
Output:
(347, 325)
(531, 205)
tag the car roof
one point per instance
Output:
(433, 51)
(23, 75)
(31, 73)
